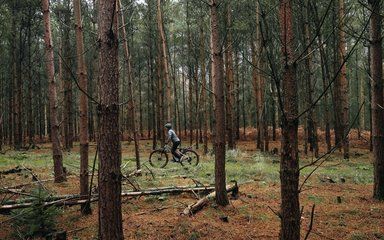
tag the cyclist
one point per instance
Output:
(175, 141)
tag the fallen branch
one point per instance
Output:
(193, 208)
(17, 169)
(35, 178)
(71, 200)
(31, 183)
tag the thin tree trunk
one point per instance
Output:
(17, 94)
(342, 86)
(289, 165)
(325, 77)
(110, 216)
(204, 92)
(311, 120)
(30, 117)
(56, 148)
(230, 82)
(197, 105)
(83, 106)
(67, 81)
(131, 102)
(190, 75)
(258, 83)
(377, 99)
(218, 89)
(164, 63)
(360, 98)
(160, 103)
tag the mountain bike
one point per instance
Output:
(160, 157)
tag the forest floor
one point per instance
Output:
(340, 190)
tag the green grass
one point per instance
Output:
(315, 199)
(240, 166)
(340, 170)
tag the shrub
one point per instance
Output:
(35, 221)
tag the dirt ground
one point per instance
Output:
(342, 210)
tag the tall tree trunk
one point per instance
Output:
(258, 82)
(377, 99)
(16, 90)
(197, 105)
(311, 120)
(204, 91)
(230, 81)
(164, 63)
(289, 165)
(67, 80)
(56, 148)
(342, 108)
(161, 120)
(110, 217)
(190, 75)
(218, 89)
(30, 117)
(131, 102)
(360, 98)
(325, 76)
(83, 105)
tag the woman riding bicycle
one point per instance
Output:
(175, 141)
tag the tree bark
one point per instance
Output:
(203, 91)
(56, 148)
(342, 108)
(230, 81)
(325, 76)
(218, 89)
(131, 102)
(258, 84)
(311, 120)
(110, 217)
(377, 98)
(289, 165)
(68, 122)
(83, 106)
(164, 63)
(30, 96)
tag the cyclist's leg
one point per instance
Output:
(174, 148)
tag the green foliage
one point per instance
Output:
(194, 236)
(315, 199)
(37, 220)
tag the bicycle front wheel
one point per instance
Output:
(158, 158)
(190, 158)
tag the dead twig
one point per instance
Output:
(311, 223)
(276, 213)
(36, 178)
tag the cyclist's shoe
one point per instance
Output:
(175, 159)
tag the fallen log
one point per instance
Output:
(195, 207)
(70, 200)
(16, 169)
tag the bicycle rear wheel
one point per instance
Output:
(158, 158)
(190, 158)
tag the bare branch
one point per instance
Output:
(311, 223)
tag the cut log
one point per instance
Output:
(193, 208)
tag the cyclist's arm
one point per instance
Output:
(169, 137)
